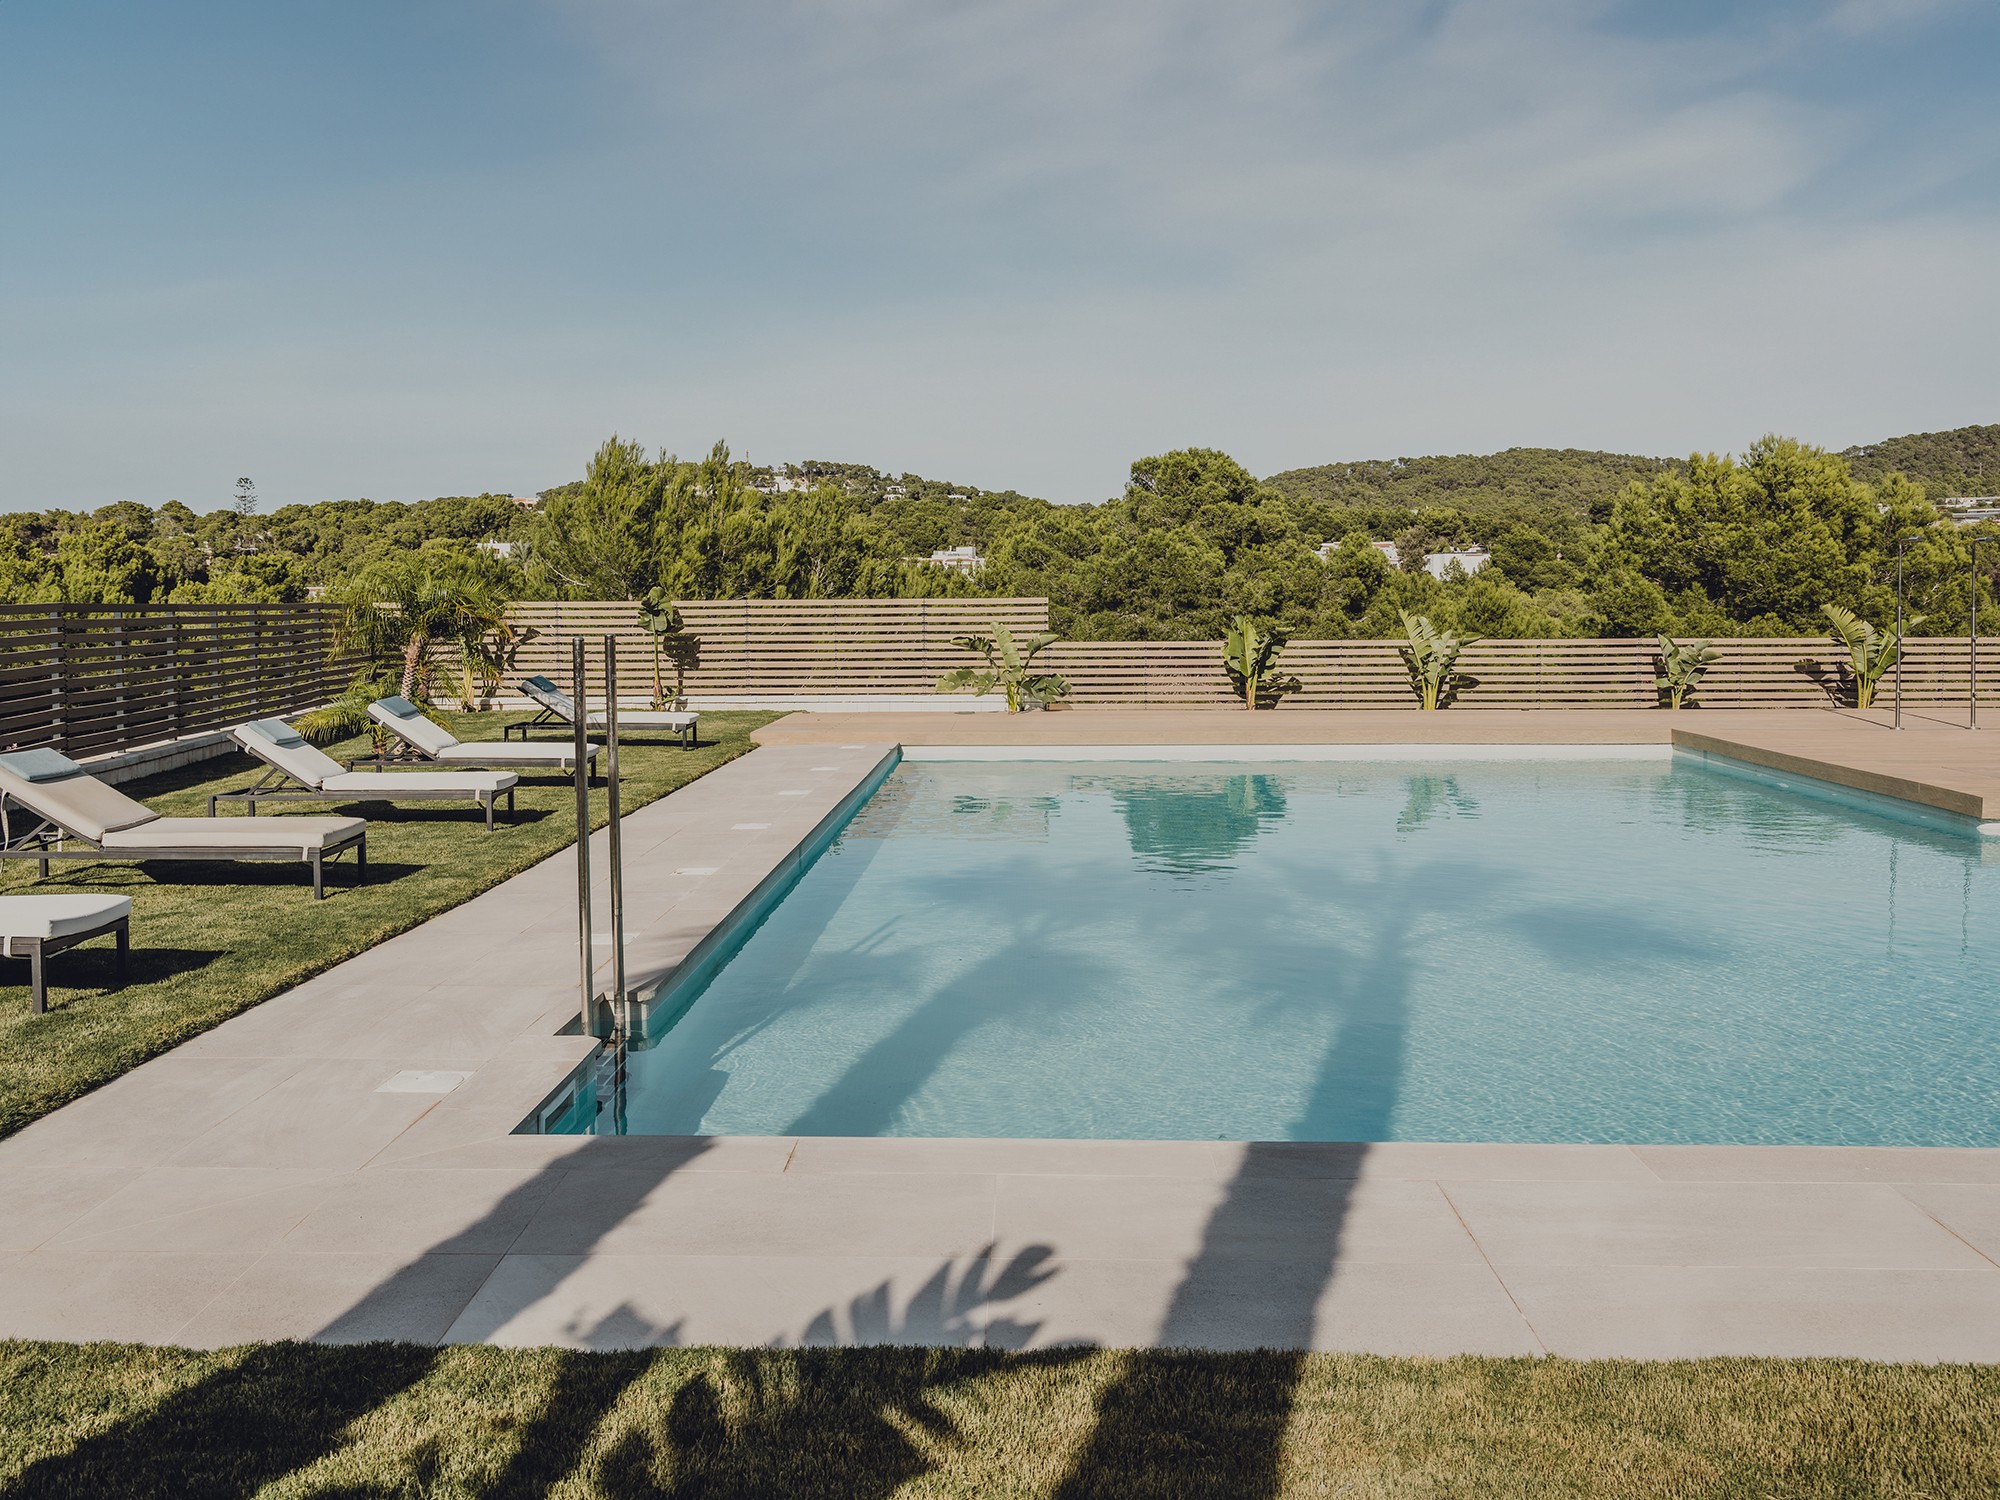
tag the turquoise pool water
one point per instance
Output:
(1531, 951)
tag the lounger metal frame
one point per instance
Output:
(272, 788)
(551, 718)
(43, 842)
(36, 950)
(413, 754)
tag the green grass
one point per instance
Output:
(212, 939)
(285, 1420)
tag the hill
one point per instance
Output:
(1520, 479)
(1524, 481)
(1963, 461)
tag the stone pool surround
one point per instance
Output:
(340, 1163)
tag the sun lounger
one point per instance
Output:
(33, 927)
(559, 712)
(59, 802)
(433, 742)
(319, 778)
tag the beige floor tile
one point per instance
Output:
(328, 1113)
(1704, 1224)
(80, 1297)
(726, 1213)
(605, 1301)
(175, 1210)
(446, 1211)
(1155, 1218)
(342, 1299)
(147, 1116)
(1969, 1210)
(1821, 1163)
(1689, 1312)
(37, 1202)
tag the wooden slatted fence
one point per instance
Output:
(91, 679)
(780, 648)
(774, 647)
(1570, 673)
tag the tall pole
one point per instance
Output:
(617, 848)
(1972, 663)
(587, 977)
(1899, 630)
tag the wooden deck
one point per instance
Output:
(1934, 759)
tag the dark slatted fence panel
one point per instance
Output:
(92, 679)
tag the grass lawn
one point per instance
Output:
(212, 939)
(386, 1420)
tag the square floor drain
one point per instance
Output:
(423, 1081)
(826, 768)
(697, 869)
(748, 827)
(795, 792)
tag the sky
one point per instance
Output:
(403, 248)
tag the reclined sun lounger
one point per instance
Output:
(33, 927)
(319, 778)
(63, 802)
(559, 711)
(434, 742)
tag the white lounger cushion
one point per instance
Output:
(406, 721)
(276, 743)
(390, 783)
(46, 917)
(223, 834)
(52, 786)
(647, 718)
(512, 753)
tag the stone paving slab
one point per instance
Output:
(261, 1182)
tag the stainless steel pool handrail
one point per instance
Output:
(615, 842)
(587, 975)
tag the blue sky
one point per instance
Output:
(437, 246)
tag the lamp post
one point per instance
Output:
(1972, 656)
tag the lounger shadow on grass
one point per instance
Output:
(84, 975)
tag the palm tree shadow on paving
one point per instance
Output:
(285, 1406)
(836, 1422)
(1173, 1423)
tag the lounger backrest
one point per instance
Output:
(276, 743)
(53, 786)
(404, 719)
(544, 691)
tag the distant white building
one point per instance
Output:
(958, 559)
(1471, 559)
(1965, 510)
(497, 548)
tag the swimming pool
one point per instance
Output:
(1531, 950)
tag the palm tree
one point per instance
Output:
(398, 611)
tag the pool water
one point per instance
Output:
(1586, 950)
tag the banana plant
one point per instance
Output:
(1250, 655)
(1870, 652)
(660, 619)
(1432, 658)
(1009, 666)
(1682, 666)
